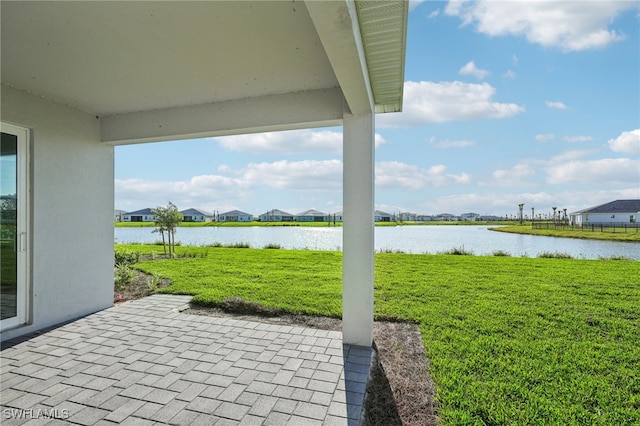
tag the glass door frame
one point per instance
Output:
(22, 226)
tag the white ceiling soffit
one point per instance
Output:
(117, 57)
(383, 25)
(155, 70)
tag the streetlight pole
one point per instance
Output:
(532, 216)
(520, 207)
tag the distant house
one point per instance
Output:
(446, 217)
(424, 218)
(614, 212)
(490, 218)
(312, 215)
(407, 217)
(195, 215)
(470, 217)
(235, 216)
(337, 217)
(379, 216)
(276, 215)
(144, 215)
(117, 215)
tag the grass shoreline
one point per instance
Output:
(632, 236)
(511, 340)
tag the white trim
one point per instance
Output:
(288, 111)
(22, 227)
(336, 23)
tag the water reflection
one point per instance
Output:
(408, 239)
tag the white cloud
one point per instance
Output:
(288, 142)
(556, 105)
(516, 176)
(510, 74)
(545, 137)
(427, 102)
(235, 187)
(433, 14)
(570, 155)
(513, 176)
(445, 144)
(470, 68)
(627, 142)
(577, 138)
(306, 175)
(414, 3)
(569, 26)
(603, 172)
(204, 192)
(398, 175)
(505, 203)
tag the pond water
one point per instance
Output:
(409, 239)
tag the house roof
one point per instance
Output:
(139, 212)
(235, 213)
(311, 212)
(617, 206)
(194, 212)
(381, 213)
(276, 212)
(158, 70)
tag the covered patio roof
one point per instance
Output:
(153, 71)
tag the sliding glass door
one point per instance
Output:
(13, 226)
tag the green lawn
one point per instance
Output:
(609, 234)
(517, 341)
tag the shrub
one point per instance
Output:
(126, 258)
(239, 245)
(153, 282)
(273, 246)
(501, 253)
(458, 251)
(389, 251)
(123, 275)
(554, 255)
(614, 258)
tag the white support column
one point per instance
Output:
(358, 229)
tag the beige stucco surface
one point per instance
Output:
(72, 207)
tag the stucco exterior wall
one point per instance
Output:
(604, 218)
(71, 171)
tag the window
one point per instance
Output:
(13, 225)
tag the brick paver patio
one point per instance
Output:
(145, 362)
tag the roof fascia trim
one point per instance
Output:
(337, 26)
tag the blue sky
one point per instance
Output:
(505, 102)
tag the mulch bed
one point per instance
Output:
(400, 389)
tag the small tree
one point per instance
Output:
(167, 220)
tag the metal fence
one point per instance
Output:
(593, 227)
